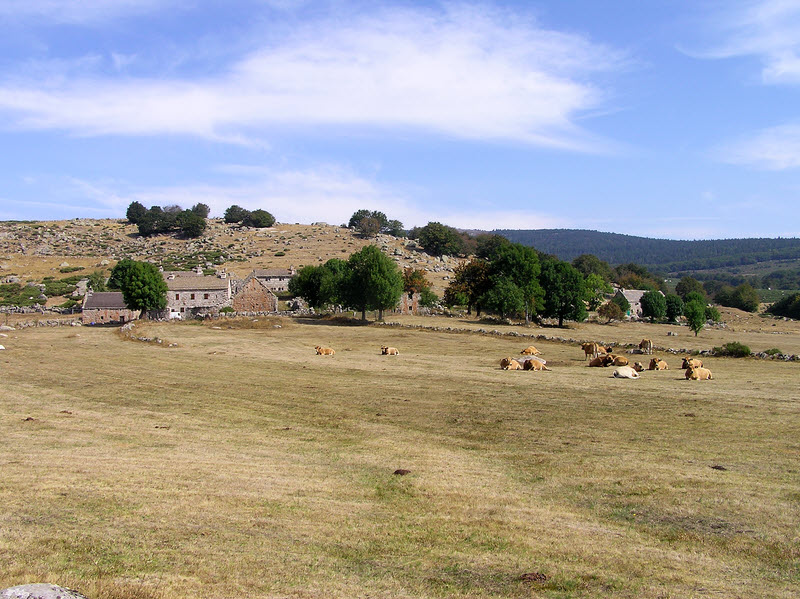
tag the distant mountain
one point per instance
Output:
(662, 255)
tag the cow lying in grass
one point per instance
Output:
(625, 372)
(324, 351)
(693, 362)
(530, 351)
(697, 373)
(389, 351)
(658, 364)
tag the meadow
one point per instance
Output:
(239, 464)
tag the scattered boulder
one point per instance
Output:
(40, 591)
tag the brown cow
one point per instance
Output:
(389, 351)
(324, 351)
(658, 364)
(620, 361)
(693, 362)
(606, 360)
(592, 349)
(696, 373)
(530, 351)
(646, 345)
(510, 364)
(534, 365)
(638, 367)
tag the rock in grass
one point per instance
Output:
(40, 591)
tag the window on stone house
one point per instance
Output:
(177, 296)
(205, 296)
(192, 296)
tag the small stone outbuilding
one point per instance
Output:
(106, 307)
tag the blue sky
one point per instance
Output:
(676, 119)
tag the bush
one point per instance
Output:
(788, 307)
(773, 351)
(259, 219)
(226, 310)
(733, 350)
(67, 269)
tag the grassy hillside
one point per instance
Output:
(238, 463)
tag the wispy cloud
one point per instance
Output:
(465, 72)
(766, 29)
(776, 148)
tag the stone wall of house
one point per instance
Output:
(253, 297)
(199, 301)
(106, 315)
(409, 303)
(277, 283)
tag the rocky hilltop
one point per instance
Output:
(32, 251)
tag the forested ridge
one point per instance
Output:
(663, 255)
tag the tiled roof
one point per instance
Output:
(196, 282)
(105, 300)
(272, 272)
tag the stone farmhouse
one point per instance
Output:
(191, 294)
(106, 307)
(276, 279)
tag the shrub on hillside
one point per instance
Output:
(733, 349)
(788, 307)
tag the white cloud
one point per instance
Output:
(767, 29)
(464, 72)
(776, 148)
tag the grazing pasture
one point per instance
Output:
(240, 464)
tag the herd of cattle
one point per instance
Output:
(601, 357)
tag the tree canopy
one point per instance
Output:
(372, 281)
(564, 291)
(439, 240)
(695, 313)
(143, 287)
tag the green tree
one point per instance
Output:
(191, 224)
(439, 240)
(517, 266)
(695, 313)
(564, 291)
(321, 285)
(414, 280)
(373, 281)
(235, 214)
(744, 297)
(688, 285)
(259, 219)
(201, 210)
(596, 289)
(487, 245)
(470, 281)
(589, 264)
(654, 306)
(427, 298)
(395, 227)
(135, 212)
(118, 273)
(97, 281)
(622, 302)
(143, 288)
(788, 307)
(504, 297)
(674, 307)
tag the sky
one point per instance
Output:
(675, 119)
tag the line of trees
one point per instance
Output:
(258, 219)
(156, 220)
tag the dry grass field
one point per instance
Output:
(239, 464)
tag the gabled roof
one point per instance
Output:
(196, 283)
(634, 296)
(238, 286)
(106, 300)
(272, 272)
